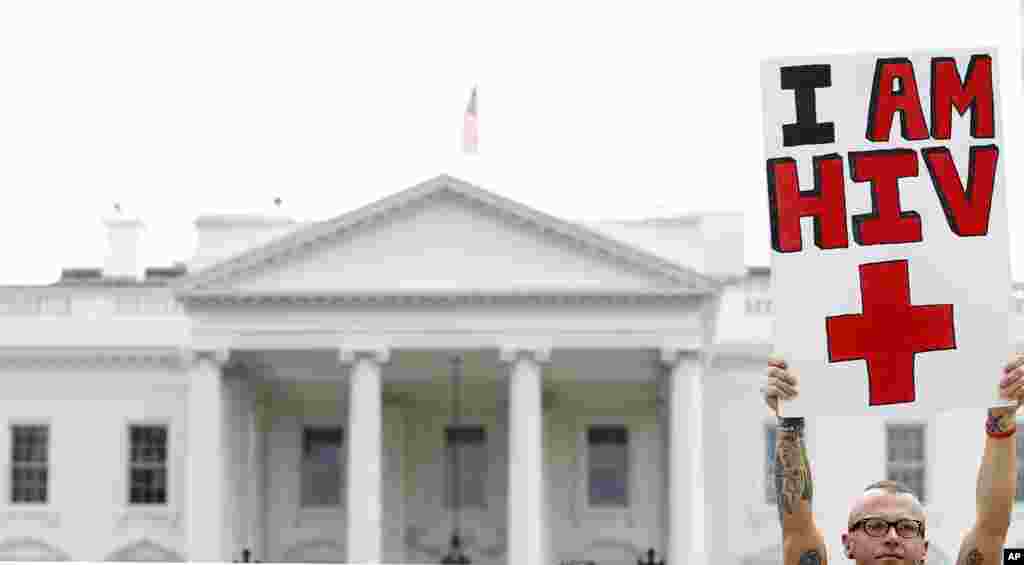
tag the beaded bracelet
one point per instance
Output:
(1001, 435)
(790, 425)
(993, 430)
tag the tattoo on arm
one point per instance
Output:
(970, 556)
(792, 471)
(810, 557)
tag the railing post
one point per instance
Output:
(650, 559)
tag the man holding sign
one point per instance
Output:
(893, 207)
(887, 523)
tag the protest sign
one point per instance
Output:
(887, 204)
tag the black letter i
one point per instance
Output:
(802, 81)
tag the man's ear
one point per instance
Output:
(847, 545)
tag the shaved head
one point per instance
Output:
(883, 491)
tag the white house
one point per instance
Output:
(355, 389)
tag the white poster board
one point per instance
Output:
(887, 203)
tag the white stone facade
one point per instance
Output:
(656, 326)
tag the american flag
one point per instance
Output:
(470, 134)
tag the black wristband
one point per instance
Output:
(791, 424)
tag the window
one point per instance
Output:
(469, 445)
(607, 466)
(769, 463)
(30, 464)
(321, 466)
(147, 465)
(905, 456)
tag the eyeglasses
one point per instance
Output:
(877, 527)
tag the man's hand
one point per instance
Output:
(1011, 386)
(779, 382)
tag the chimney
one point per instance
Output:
(723, 234)
(123, 236)
(223, 235)
(709, 242)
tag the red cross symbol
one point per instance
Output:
(889, 332)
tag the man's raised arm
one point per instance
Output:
(802, 542)
(997, 475)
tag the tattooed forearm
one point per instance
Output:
(997, 474)
(810, 557)
(792, 467)
(970, 556)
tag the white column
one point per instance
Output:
(526, 504)
(363, 438)
(686, 457)
(206, 484)
(254, 482)
(661, 409)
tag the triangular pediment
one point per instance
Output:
(444, 235)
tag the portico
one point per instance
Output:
(393, 491)
(559, 328)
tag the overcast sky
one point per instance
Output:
(177, 109)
